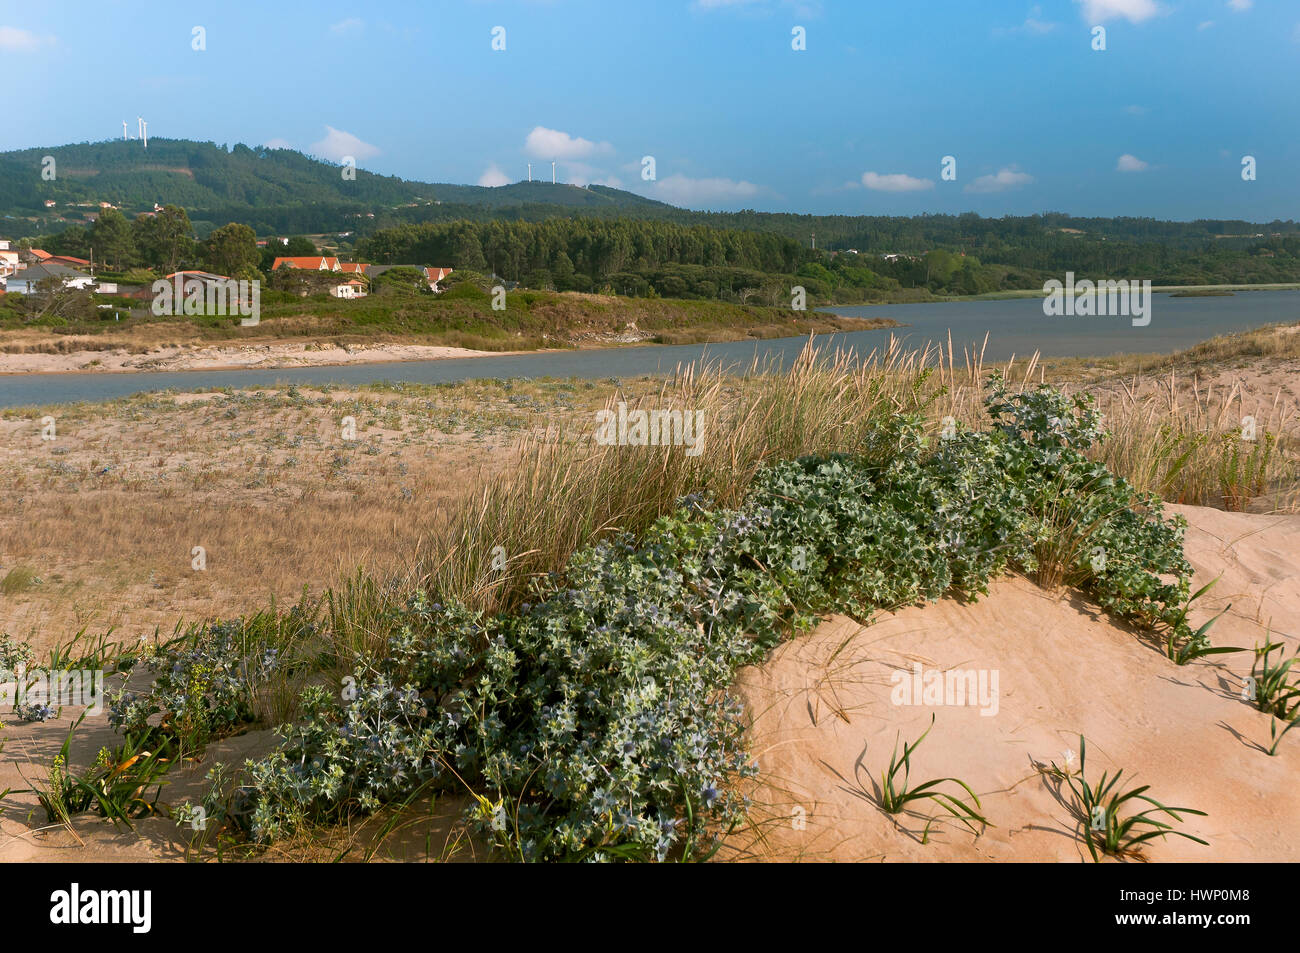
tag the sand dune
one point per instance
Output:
(823, 726)
(824, 723)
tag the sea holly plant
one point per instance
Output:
(14, 656)
(204, 687)
(1109, 828)
(595, 722)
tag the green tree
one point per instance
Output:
(165, 240)
(232, 251)
(73, 240)
(399, 281)
(111, 239)
(469, 251)
(299, 246)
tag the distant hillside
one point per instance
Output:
(274, 190)
(283, 192)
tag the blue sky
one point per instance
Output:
(1157, 124)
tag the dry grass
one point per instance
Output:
(827, 402)
(102, 521)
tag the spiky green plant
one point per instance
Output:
(116, 785)
(1106, 828)
(895, 794)
(1275, 694)
(1197, 645)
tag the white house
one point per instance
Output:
(25, 281)
(8, 262)
(353, 289)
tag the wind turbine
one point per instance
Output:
(144, 132)
(530, 172)
(124, 130)
(552, 172)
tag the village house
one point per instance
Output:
(67, 261)
(25, 281)
(435, 275)
(307, 263)
(352, 289)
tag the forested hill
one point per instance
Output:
(590, 238)
(273, 190)
(283, 192)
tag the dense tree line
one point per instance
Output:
(164, 242)
(640, 257)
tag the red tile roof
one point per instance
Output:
(312, 263)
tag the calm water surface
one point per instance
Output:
(1016, 327)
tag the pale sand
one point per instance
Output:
(215, 358)
(822, 719)
(824, 725)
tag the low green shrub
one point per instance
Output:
(594, 723)
(206, 683)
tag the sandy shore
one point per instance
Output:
(825, 718)
(218, 358)
(823, 722)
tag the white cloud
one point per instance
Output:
(493, 177)
(1241, 6)
(681, 190)
(347, 26)
(546, 143)
(14, 40)
(1034, 24)
(277, 144)
(1130, 163)
(1205, 24)
(1135, 11)
(1136, 110)
(338, 144)
(895, 182)
(581, 173)
(1008, 178)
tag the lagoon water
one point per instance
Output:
(1015, 327)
